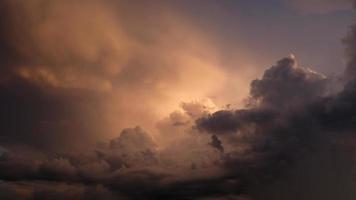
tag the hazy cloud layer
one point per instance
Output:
(67, 91)
(319, 6)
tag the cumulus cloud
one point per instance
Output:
(273, 93)
(282, 129)
(279, 84)
(133, 147)
(197, 152)
(132, 140)
(247, 145)
(245, 149)
(98, 67)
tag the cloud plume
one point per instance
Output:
(91, 68)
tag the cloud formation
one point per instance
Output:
(59, 82)
(319, 6)
(84, 70)
(245, 151)
(302, 127)
(278, 86)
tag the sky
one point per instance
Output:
(203, 99)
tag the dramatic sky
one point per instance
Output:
(177, 99)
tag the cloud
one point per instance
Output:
(300, 125)
(216, 143)
(278, 86)
(275, 92)
(3, 152)
(50, 190)
(319, 6)
(66, 83)
(245, 151)
(98, 66)
(350, 42)
(133, 147)
(248, 145)
(132, 140)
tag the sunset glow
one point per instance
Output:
(177, 99)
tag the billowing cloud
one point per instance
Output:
(278, 86)
(65, 83)
(83, 70)
(246, 149)
(274, 92)
(292, 139)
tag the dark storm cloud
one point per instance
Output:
(257, 145)
(350, 42)
(227, 121)
(273, 138)
(33, 113)
(29, 174)
(338, 112)
(288, 121)
(216, 143)
(303, 121)
(52, 190)
(286, 84)
(40, 118)
(120, 165)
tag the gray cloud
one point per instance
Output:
(291, 128)
(216, 143)
(302, 124)
(287, 84)
(50, 190)
(319, 6)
